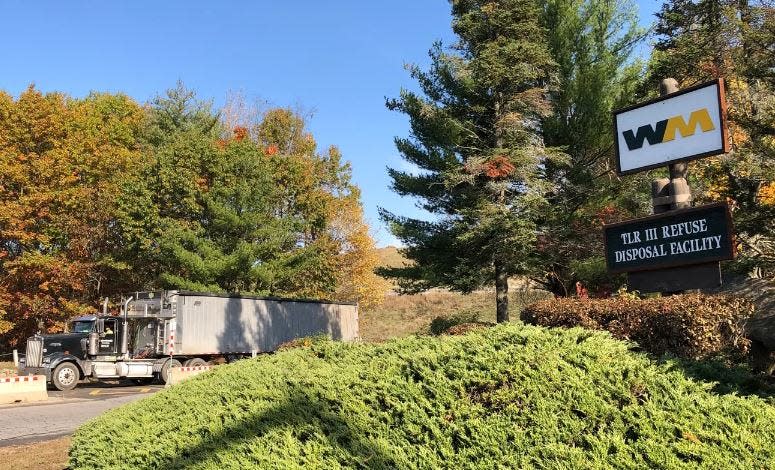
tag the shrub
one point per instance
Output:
(692, 326)
(593, 274)
(443, 323)
(511, 396)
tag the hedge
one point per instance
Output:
(511, 396)
(691, 326)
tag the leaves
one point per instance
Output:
(475, 139)
(102, 196)
(512, 396)
(62, 162)
(691, 326)
(700, 40)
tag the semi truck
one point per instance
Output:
(156, 330)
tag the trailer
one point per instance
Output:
(156, 330)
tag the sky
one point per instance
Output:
(338, 60)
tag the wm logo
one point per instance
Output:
(665, 131)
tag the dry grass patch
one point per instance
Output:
(7, 368)
(46, 455)
(402, 315)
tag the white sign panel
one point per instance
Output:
(685, 125)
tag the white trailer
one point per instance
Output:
(161, 329)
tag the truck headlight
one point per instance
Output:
(46, 360)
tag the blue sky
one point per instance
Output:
(338, 59)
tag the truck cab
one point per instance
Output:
(102, 347)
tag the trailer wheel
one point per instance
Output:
(195, 362)
(164, 374)
(65, 376)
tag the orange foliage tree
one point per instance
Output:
(61, 162)
(317, 188)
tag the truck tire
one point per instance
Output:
(164, 373)
(195, 362)
(65, 376)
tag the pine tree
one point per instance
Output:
(593, 42)
(254, 208)
(199, 213)
(476, 143)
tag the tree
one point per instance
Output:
(62, 162)
(699, 40)
(252, 209)
(316, 188)
(476, 142)
(198, 214)
(592, 41)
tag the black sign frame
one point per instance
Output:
(725, 146)
(722, 257)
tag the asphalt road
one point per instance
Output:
(65, 411)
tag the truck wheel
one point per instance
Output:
(164, 374)
(195, 362)
(65, 376)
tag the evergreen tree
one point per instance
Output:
(199, 214)
(254, 208)
(476, 143)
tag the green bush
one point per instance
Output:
(442, 324)
(512, 396)
(593, 274)
(692, 326)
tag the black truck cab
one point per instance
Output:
(65, 358)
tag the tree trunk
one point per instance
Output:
(501, 294)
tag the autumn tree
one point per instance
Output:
(197, 214)
(254, 208)
(62, 162)
(700, 40)
(475, 140)
(316, 188)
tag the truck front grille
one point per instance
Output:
(34, 356)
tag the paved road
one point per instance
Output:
(64, 411)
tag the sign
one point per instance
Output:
(684, 125)
(694, 276)
(677, 238)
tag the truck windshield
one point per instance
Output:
(82, 326)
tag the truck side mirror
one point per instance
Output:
(100, 326)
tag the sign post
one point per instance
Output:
(678, 248)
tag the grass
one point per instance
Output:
(402, 315)
(48, 455)
(511, 396)
(7, 368)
